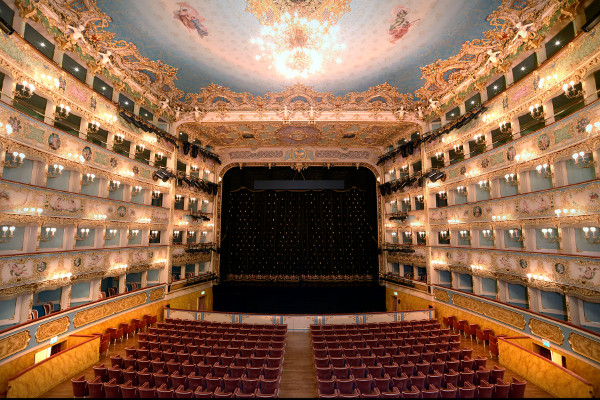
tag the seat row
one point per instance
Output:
(381, 347)
(375, 325)
(175, 347)
(376, 389)
(198, 354)
(384, 330)
(369, 357)
(173, 323)
(210, 338)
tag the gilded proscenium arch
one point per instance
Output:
(219, 202)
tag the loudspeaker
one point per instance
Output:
(194, 152)
(186, 148)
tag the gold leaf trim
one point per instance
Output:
(102, 311)
(441, 295)
(52, 328)
(547, 331)
(585, 346)
(501, 314)
(157, 294)
(14, 343)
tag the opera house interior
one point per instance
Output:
(300, 198)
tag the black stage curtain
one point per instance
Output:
(299, 234)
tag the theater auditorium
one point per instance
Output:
(299, 198)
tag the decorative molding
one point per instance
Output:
(501, 314)
(156, 294)
(53, 328)
(441, 295)
(14, 343)
(107, 309)
(585, 346)
(546, 331)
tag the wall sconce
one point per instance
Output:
(47, 234)
(422, 234)
(465, 234)
(49, 81)
(121, 268)
(140, 148)
(110, 234)
(498, 218)
(62, 112)
(589, 128)
(442, 194)
(476, 267)
(153, 234)
(191, 234)
(7, 233)
(408, 235)
(536, 111)
(156, 194)
(63, 278)
(439, 156)
(538, 277)
(461, 190)
(505, 127)
(479, 139)
(566, 211)
(547, 80)
(114, 185)
(406, 200)
(25, 90)
(145, 220)
(419, 198)
(445, 234)
(550, 235)
(458, 149)
(571, 91)
(93, 127)
(516, 235)
(488, 234)
(76, 157)
(136, 190)
(87, 179)
(101, 217)
(194, 168)
(158, 156)
(512, 179)
(582, 160)
(54, 171)
(192, 200)
(119, 137)
(404, 168)
(392, 172)
(592, 234)
(205, 201)
(83, 234)
(15, 161)
(484, 185)
(176, 234)
(133, 233)
(177, 198)
(544, 170)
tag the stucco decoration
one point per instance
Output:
(585, 346)
(441, 295)
(53, 328)
(501, 314)
(107, 309)
(14, 343)
(546, 331)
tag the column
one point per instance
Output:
(19, 23)
(589, 89)
(567, 239)
(122, 279)
(484, 96)
(58, 56)
(83, 127)
(509, 77)
(462, 108)
(574, 310)
(489, 141)
(49, 112)
(136, 108)
(24, 302)
(132, 150)
(144, 279)
(65, 297)
(476, 284)
(533, 294)
(115, 96)
(541, 54)
(515, 126)
(466, 149)
(95, 288)
(502, 291)
(89, 78)
(8, 88)
(549, 111)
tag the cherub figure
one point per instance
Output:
(164, 104)
(77, 33)
(105, 58)
(493, 57)
(433, 104)
(522, 31)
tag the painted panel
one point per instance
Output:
(60, 182)
(21, 174)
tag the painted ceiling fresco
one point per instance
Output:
(208, 41)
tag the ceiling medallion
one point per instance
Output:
(298, 36)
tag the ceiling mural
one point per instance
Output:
(386, 41)
(194, 57)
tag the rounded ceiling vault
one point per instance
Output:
(208, 41)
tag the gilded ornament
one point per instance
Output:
(441, 295)
(52, 328)
(585, 346)
(14, 343)
(156, 294)
(546, 331)
(501, 314)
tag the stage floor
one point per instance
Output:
(335, 298)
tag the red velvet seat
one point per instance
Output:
(449, 392)
(96, 388)
(101, 371)
(129, 391)
(80, 387)
(496, 374)
(431, 392)
(501, 389)
(484, 390)
(182, 393)
(451, 378)
(326, 388)
(517, 389)
(247, 387)
(112, 389)
(412, 393)
(467, 391)
(163, 392)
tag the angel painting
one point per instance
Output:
(400, 25)
(190, 18)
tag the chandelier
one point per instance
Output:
(298, 37)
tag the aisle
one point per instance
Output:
(298, 378)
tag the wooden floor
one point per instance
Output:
(298, 376)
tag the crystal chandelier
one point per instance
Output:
(298, 37)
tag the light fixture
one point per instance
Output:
(158, 156)
(156, 194)
(488, 234)
(442, 194)
(408, 235)
(61, 279)
(100, 217)
(464, 234)
(62, 112)
(538, 277)
(93, 127)
(82, 234)
(192, 200)
(7, 233)
(592, 234)
(87, 179)
(544, 170)
(191, 233)
(419, 198)
(194, 168)
(444, 235)
(176, 234)
(54, 171)
(566, 211)
(511, 179)
(479, 139)
(298, 40)
(536, 111)
(516, 235)
(458, 148)
(571, 91)
(422, 234)
(119, 137)
(589, 128)
(505, 127)
(550, 235)
(46, 234)
(498, 218)
(484, 185)
(406, 200)
(15, 160)
(439, 156)
(110, 234)
(177, 198)
(140, 148)
(114, 185)
(133, 233)
(476, 267)
(25, 90)
(136, 190)
(461, 190)
(582, 160)
(50, 81)
(153, 234)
